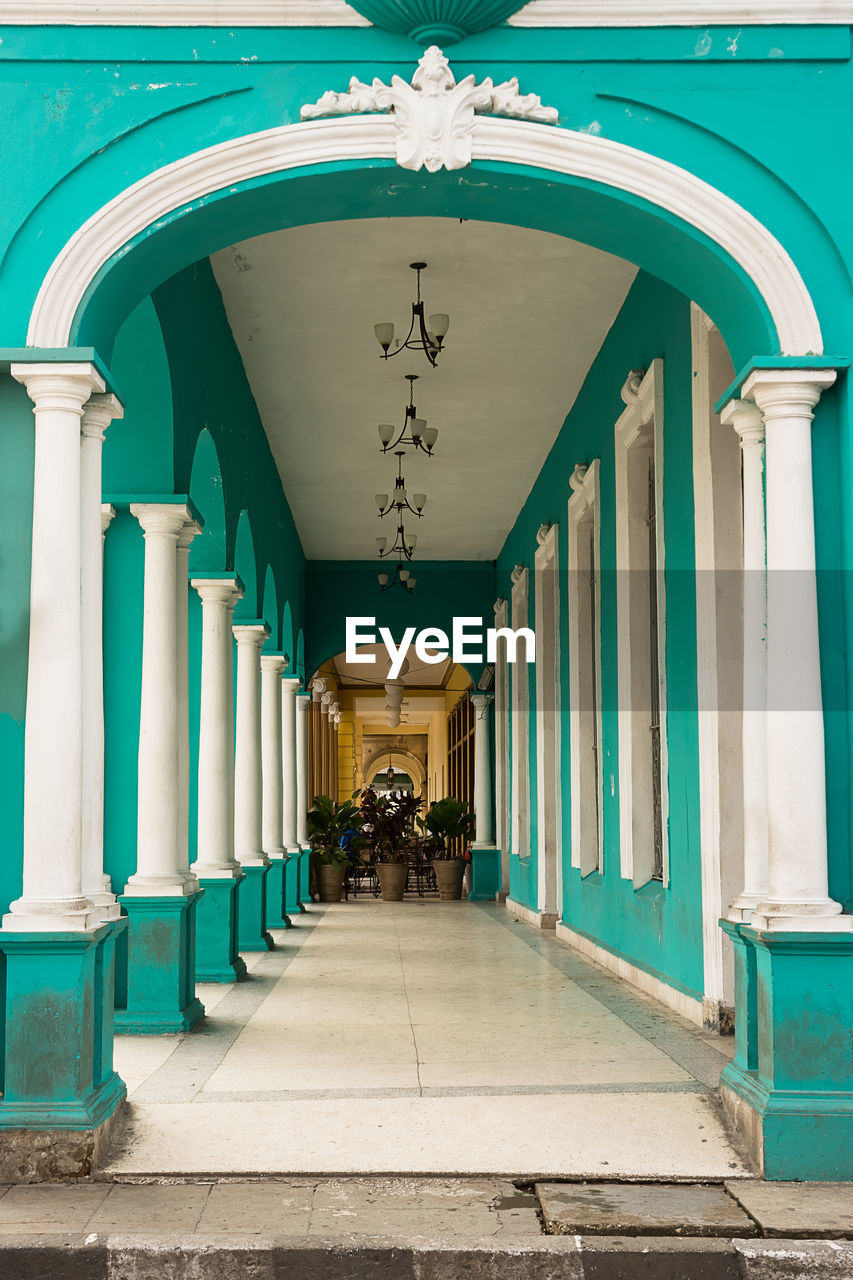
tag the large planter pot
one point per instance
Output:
(449, 877)
(331, 882)
(392, 880)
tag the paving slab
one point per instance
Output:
(49, 1208)
(637, 1208)
(158, 1209)
(823, 1209)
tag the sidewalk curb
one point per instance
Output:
(240, 1257)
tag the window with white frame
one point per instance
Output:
(641, 630)
(502, 736)
(520, 720)
(584, 554)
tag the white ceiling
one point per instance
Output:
(529, 312)
(419, 675)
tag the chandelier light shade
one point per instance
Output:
(422, 336)
(420, 435)
(399, 499)
(386, 581)
(445, 21)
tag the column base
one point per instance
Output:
(789, 1091)
(217, 916)
(292, 905)
(305, 877)
(59, 1078)
(277, 917)
(485, 873)
(252, 913)
(161, 947)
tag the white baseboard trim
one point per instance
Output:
(539, 919)
(687, 1006)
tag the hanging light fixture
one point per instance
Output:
(421, 337)
(420, 435)
(400, 578)
(400, 498)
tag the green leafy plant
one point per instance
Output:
(389, 823)
(447, 820)
(334, 829)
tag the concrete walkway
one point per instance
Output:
(425, 1038)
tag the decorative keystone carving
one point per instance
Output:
(631, 390)
(433, 116)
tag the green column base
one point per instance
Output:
(292, 905)
(58, 1072)
(252, 913)
(277, 917)
(105, 983)
(161, 963)
(485, 873)
(305, 878)
(217, 957)
(794, 1109)
(746, 997)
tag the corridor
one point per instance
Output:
(425, 1037)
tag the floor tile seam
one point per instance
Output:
(262, 1097)
(615, 994)
(219, 1040)
(408, 1006)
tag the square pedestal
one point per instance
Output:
(217, 956)
(794, 1104)
(277, 917)
(161, 963)
(485, 873)
(252, 913)
(60, 1091)
(292, 905)
(304, 877)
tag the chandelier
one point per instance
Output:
(429, 339)
(400, 498)
(401, 578)
(421, 436)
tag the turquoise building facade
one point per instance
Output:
(682, 554)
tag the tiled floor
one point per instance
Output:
(426, 1037)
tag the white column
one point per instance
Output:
(289, 687)
(303, 711)
(52, 897)
(272, 665)
(98, 413)
(216, 731)
(483, 806)
(747, 421)
(159, 869)
(797, 881)
(182, 588)
(248, 785)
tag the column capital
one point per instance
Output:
(251, 633)
(59, 386)
(189, 530)
(786, 393)
(482, 702)
(226, 590)
(746, 419)
(108, 513)
(291, 683)
(273, 663)
(325, 703)
(318, 687)
(303, 699)
(98, 413)
(160, 519)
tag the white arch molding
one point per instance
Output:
(401, 761)
(407, 133)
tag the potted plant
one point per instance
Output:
(388, 825)
(448, 820)
(334, 832)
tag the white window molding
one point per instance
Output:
(520, 684)
(639, 459)
(502, 735)
(584, 609)
(718, 520)
(546, 604)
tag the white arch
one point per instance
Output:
(402, 761)
(374, 137)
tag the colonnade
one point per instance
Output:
(61, 932)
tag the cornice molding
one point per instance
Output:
(335, 13)
(493, 139)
